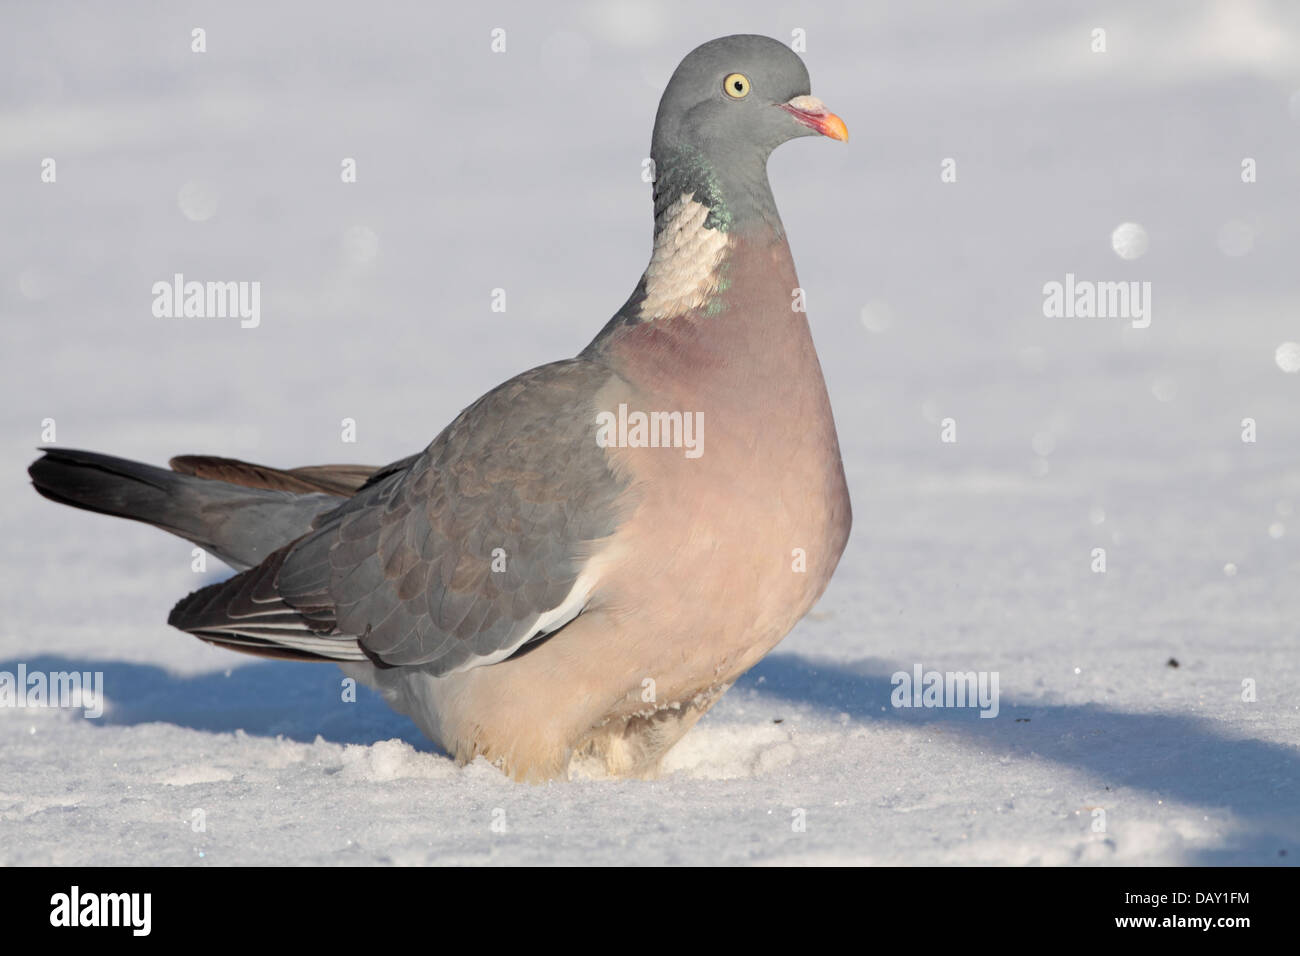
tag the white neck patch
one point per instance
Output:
(683, 271)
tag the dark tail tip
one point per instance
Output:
(100, 483)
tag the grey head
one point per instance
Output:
(730, 103)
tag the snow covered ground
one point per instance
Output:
(521, 171)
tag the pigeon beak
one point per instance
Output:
(812, 112)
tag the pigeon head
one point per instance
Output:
(742, 92)
(731, 102)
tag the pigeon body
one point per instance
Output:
(523, 589)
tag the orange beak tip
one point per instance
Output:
(812, 113)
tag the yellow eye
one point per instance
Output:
(736, 85)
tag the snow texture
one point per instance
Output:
(521, 171)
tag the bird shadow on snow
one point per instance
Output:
(266, 699)
(1172, 756)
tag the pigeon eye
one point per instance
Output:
(736, 85)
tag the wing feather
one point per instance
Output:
(407, 570)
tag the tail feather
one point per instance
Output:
(106, 485)
(331, 479)
(240, 525)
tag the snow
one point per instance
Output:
(521, 171)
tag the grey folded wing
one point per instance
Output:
(453, 559)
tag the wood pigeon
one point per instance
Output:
(588, 556)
